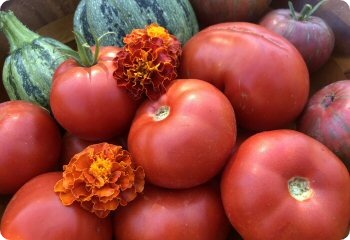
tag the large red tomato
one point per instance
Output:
(326, 118)
(186, 214)
(263, 74)
(283, 184)
(30, 143)
(87, 102)
(185, 137)
(36, 212)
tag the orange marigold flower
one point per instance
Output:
(100, 178)
(148, 62)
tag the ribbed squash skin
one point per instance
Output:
(96, 17)
(28, 71)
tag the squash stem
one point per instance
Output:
(17, 34)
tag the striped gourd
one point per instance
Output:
(96, 17)
(29, 67)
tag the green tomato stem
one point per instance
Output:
(305, 12)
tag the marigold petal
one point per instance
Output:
(100, 178)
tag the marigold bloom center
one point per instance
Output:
(101, 168)
(157, 31)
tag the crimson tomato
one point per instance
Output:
(283, 184)
(71, 145)
(36, 212)
(263, 74)
(30, 141)
(326, 118)
(185, 137)
(186, 214)
(86, 100)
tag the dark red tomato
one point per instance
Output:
(283, 184)
(210, 12)
(311, 35)
(87, 102)
(185, 137)
(263, 74)
(72, 145)
(327, 118)
(36, 212)
(30, 141)
(186, 214)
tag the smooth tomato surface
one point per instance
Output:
(87, 102)
(36, 212)
(186, 214)
(283, 184)
(263, 75)
(30, 143)
(185, 137)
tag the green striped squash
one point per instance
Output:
(96, 17)
(32, 61)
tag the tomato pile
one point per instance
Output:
(218, 138)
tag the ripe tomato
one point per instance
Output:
(30, 141)
(283, 184)
(326, 118)
(185, 137)
(86, 100)
(311, 35)
(186, 214)
(36, 212)
(71, 145)
(212, 12)
(263, 75)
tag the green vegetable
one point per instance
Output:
(96, 17)
(32, 60)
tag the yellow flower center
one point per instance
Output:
(157, 31)
(101, 168)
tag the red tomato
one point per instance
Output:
(186, 214)
(86, 100)
(326, 118)
(263, 74)
(185, 137)
(30, 141)
(72, 145)
(283, 184)
(36, 212)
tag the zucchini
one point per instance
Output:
(96, 17)
(32, 60)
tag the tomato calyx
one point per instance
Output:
(161, 113)
(299, 188)
(305, 12)
(85, 56)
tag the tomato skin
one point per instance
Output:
(189, 146)
(212, 12)
(326, 117)
(186, 214)
(36, 212)
(301, 33)
(255, 194)
(30, 141)
(258, 70)
(87, 102)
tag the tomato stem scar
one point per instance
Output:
(161, 113)
(299, 188)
